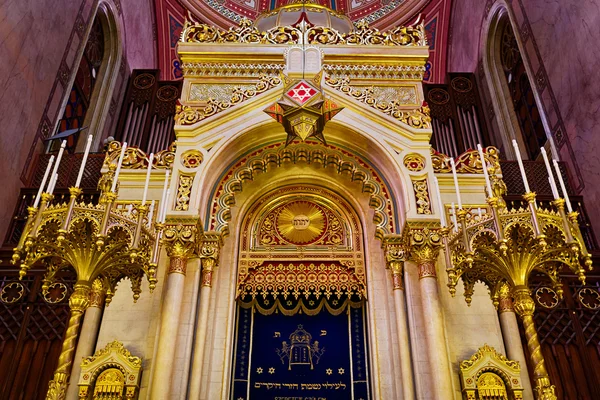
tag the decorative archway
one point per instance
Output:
(316, 155)
(300, 294)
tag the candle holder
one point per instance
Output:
(97, 241)
(504, 248)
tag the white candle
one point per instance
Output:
(167, 198)
(554, 190)
(55, 170)
(453, 218)
(521, 167)
(456, 183)
(562, 186)
(439, 201)
(151, 213)
(550, 175)
(485, 171)
(83, 162)
(121, 157)
(41, 189)
(479, 213)
(52, 183)
(148, 171)
(163, 199)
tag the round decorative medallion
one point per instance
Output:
(547, 297)
(144, 81)
(589, 298)
(56, 293)
(461, 84)
(301, 222)
(414, 162)
(191, 159)
(438, 96)
(12, 292)
(167, 93)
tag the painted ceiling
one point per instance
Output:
(171, 15)
(379, 13)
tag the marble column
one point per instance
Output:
(512, 340)
(164, 362)
(424, 250)
(395, 262)
(435, 333)
(87, 337)
(209, 254)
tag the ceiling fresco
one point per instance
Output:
(171, 15)
(379, 13)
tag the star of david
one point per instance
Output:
(301, 93)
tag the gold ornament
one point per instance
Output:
(303, 109)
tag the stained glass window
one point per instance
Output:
(81, 92)
(522, 94)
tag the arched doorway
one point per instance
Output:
(300, 299)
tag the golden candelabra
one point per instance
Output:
(502, 250)
(100, 243)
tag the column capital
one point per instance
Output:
(423, 240)
(97, 294)
(209, 252)
(395, 255)
(524, 304)
(181, 237)
(505, 302)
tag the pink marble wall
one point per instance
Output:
(568, 40)
(33, 34)
(39, 43)
(562, 46)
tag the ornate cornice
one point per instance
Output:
(246, 32)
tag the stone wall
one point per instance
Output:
(41, 43)
(561, 48)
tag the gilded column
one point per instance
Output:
(180, 243)
(87, 336)
(512, 338)
(525, 306)
(78, 303)
(424, 250)
(394, 255)
(209, 257)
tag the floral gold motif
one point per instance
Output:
(246, 32)
(184, 190)
(137, 159)
(187, 115)
(422, 196)
(466, 163)
(418, 118)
